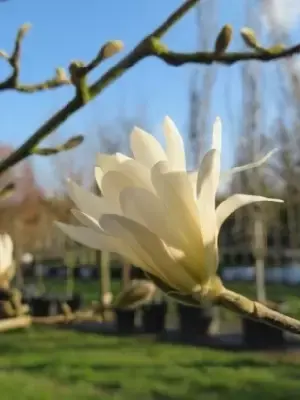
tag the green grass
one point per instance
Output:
(47, 364)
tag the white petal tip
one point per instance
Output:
(168, 120)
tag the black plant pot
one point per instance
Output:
(74, 302)
(193, 322)
(43, 306)
(153, 317)
(260, 336)
(125, 320)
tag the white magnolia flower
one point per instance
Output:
(157, 215)
(6, 257)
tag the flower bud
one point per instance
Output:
(223, 39)
(111, 48)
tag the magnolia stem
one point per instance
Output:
(257, 311)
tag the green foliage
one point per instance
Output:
(75, 366)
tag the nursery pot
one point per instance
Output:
(43, 306)
(193, 322)
(73, 301)
(153, 317)
(261, 336)
(125, 321)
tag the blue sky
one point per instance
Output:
(64, 30)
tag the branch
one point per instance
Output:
(177, 59)
(12, 82)
(14, 323)
(149, 46)
(257, 311)
(142, 50)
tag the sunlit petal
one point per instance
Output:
(174, 146)
(227, 174)
(97, 240)
(236, 201)
(217, 135)
(145, 148)
(89, 203)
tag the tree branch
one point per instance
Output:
(257, 311)
(12, 82)
(149, 46)
(178, 59)
(142, 50)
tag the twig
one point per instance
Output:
(12, 82)
(14, 323)
(142, 50)
(149, 46)
(177, 59)
(257, 311)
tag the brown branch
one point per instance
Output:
(142, 50)
(12, 82)
(149, 46)
(257, 311)
(177, 59)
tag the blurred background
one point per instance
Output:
(259, 246)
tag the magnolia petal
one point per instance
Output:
(209, 174)
(98, 177)
(114, 182)
(105, 163)
(207, 185)
(230, 205)
(149, 248)
(217, 135)
(86, 220)
(108, 161)
(174, 146)
(6, 253)
(145, 148)
(255, 164)
(145, 208)
(89, 203)
(185, 299)
(97, 240)
(176, 193)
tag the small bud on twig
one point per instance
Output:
(23, 30)
(137, 294)
(223, 39)
(72, 143)
(111, 48)
(4, 54)
(68, 145)
(61, 75)
(249, 38)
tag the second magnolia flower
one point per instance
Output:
(154, 213)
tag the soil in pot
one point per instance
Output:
(193, 322)
(125, 321)
(153, 317)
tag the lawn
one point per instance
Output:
(47, 364)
